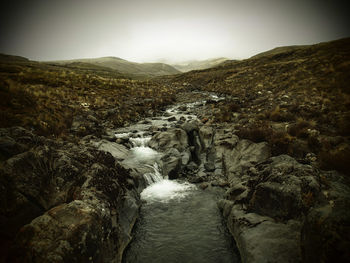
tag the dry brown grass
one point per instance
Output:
(45, 98)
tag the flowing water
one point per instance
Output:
(178, 221)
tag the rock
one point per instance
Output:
(119, 151)
(245, 155)
(281, 194)
(266, 208)
(260, 238)
(185, 157)
(183, 108)
(192, 166)
(326, 227)
(195, 141)
(190, 126)
(172, 163)
(209, 166)
(173, 138)
(206, 134)
(9, 147)
(145, 122)
(66, 202)
(220, 183)
(203, 185)
(171, 119)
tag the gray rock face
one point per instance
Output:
(260, 238)
(279, 192)
(244, 155)
(119, 151)
(274, 213)
(65, 202)
(173, 138)
(326, 230)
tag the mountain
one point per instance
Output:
(201, 64)
(125, 67)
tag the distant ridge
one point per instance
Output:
(9, 58)
(279, 50)
(124, 66)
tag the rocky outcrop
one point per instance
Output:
(64, 202)
(274, 213)
(326, 229)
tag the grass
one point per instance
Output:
(44, 98)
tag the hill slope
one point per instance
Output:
(126, 67)
(296, 98)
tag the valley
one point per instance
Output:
(97, 159)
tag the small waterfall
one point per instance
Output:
(141, 152)
(153, 177)
(140, 141)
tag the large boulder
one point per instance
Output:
(173, 138)
(119, 151)
(244, 155)
(326, 230)
(260, 238)
(266, 205)
(65, 202)
(280, 187)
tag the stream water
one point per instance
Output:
(179, 222)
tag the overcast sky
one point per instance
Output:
(162, 30)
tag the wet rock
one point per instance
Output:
(171, 119)
(192, 166)
(183, 108)
(145, 122)
(172, 163)
(119, 151)
(173, 138)
(206, 134)
(185, 157)
(189, 127)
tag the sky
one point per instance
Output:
(163, 30)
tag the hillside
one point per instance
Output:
(49, 98)
(296, 98)
(197, 65)
(125, 67)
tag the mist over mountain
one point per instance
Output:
(198, 64)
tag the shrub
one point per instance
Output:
(280, 142)
(300, 128)
(256, 132)
(280, 115)
(336, 159)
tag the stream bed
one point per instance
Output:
(178, 222)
